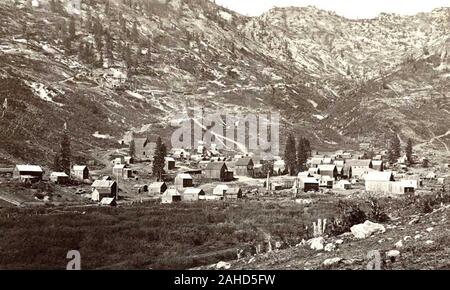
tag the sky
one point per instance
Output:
(354, 9)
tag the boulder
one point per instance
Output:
(329, 247)
(365, 230)
(223, 265)
(393, 254)
(316, 243)
(332, 261)
(399, 244)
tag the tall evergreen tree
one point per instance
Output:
(158, 159)
(65, 154)
(290, 156)
(394, 150)
(409, 151)
(132, 148)
(302, 154)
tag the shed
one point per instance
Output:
(28, 173)
(157, 188)
(108, 201)
(103, 188)
(182, 181)
(59, 177)
(217, 171)
(220, 190)
(80, 172)
(343, 185)
(170, 196)
(309, 184)
(169, 163)
(122, 171)
(233, 193)
(244, 167)
(192, 194)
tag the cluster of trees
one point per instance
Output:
(394, 152)
(296, 154)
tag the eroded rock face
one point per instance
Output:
(365, 230)
(316, 243)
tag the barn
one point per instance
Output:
(80, 172)
(28, 173)
(329, 170)
(59, 177)
(244, 167)
(217, 171)
(103, 188)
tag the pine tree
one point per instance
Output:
(409, 152)
(65, 152)
(132, 148)
(290, 156)
(394, 150)
(158, 159)
(301, 154)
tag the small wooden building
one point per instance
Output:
(216, 171)
(308, 184)
(378, 165)
(233, 193)
(170, 196)
(329, 170)
(59, 177)
(80, 172)
(28, 173)
(192, 194)
(182, 181)
(220, 190)
(244, 167)
(157, 188)
(169, 163)
(122, 171)
(103, 188)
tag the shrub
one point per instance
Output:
(350, 214)
(377, 212)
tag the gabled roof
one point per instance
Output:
(359, 162)
(169, 159)
(244, 161)
(79, 167)
(184, 176)
(379, 176)
(103, 183)
(156, 184)
(377, 162)
(215, 165)
(140, 142)
(29, 168)
(193, 190)
(326, 167)
(309, 180)
(233, 190)
(107, 201)
(59, 174)
(119, 166)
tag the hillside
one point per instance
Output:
(116, 66)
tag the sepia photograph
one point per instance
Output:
(224, 136)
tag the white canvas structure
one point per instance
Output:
(220, 190)
(343, 185)
(192, 194)
(171, 195)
